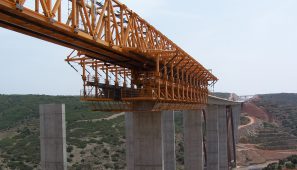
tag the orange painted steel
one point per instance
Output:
(123, 58)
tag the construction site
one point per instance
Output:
(129, 67)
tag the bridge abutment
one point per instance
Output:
(193, 138)
(53, 137)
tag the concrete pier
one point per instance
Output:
(53, 137)
(129, 140)
(168, 140)
(144, 141)
(193, 138)
(236, 110)
(212, 137)
(150, 140)
(223, 148)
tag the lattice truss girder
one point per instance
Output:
(112, 24)
(111, 37)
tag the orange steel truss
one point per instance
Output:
(123, 58)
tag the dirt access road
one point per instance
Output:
(252, 121)
(107, 118)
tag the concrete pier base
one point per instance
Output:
(53, 137)
(223, 148)
(193, 139)
(212, 137)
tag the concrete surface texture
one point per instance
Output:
(236, 110)
(144, 146)
(193, 139)
(53, 137)
(129, 140)
(223, 155)
(212, 137)
(168, 140)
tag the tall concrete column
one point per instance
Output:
(223, 148)
(193, 139)
(168, 140)
(129, 140)
(144, 141)
(53, 137)
(212, 137)
(236, 110)
(150, 140)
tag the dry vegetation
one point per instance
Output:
(277, 137)
(91, 144)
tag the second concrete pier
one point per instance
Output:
(193, 139)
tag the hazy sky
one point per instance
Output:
(251, 45)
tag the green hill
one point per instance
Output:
(92, 143)
(282, 108)
(19, 134)
(281, 132)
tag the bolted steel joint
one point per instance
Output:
(76, 30)
(52, 20)
(19, 7)
(95, 37)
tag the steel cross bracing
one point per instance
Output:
(123, 58)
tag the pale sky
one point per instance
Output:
(251, 46)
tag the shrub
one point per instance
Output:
(69, 148)
(281, 162)
(290, 165)
(293, 159)
(69, 160)
(272, 166)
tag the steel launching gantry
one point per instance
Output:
(122, 57)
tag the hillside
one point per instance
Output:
(274, 134)
(282, 108)
(92, 142)
(98, 144)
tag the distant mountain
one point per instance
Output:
(284, 99)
